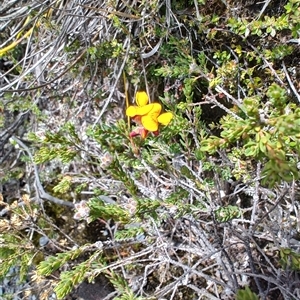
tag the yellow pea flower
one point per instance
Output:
(148, 115)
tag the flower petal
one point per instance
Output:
(139, 131)
(155, 110)
(152, 109)
(141, 98)
(131, 111)
(137, 119)
(165, 118)
(149, 123)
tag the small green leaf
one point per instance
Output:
(246, 294)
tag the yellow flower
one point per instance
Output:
(146, 114)
(141, 98)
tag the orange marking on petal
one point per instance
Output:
(143, 133)
(137, 119)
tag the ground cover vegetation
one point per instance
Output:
(150, 149)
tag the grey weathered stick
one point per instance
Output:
(39, 188)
